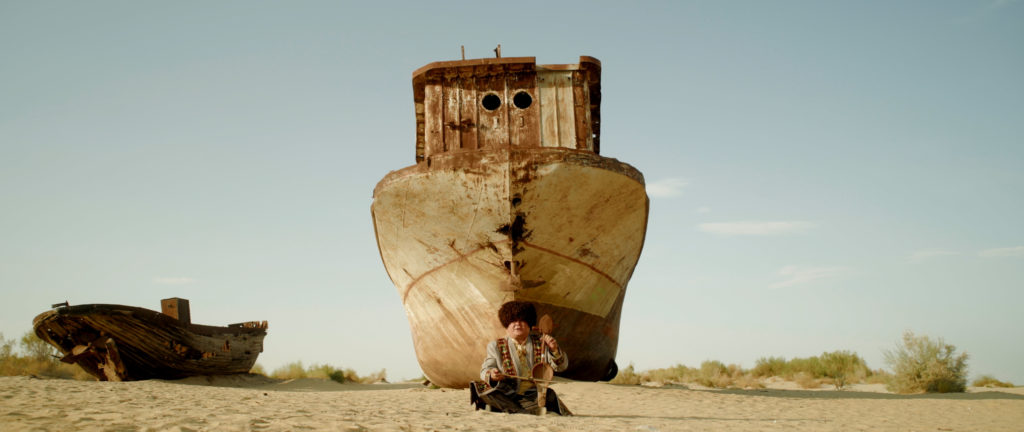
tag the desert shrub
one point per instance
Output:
(627, 376)
(838, 368)
(921, 364)
(674, 374)
(6, 348)
(990, 381)
(257, 369)
(806, 380)
(842, 368)
(295, 370)
(36, 348)
(35, 357)
(325, 371)
(380, 376)
(748, 381)
(878, 376)
(770, 366)
(713, 373)
(337, 376)
(809, 366)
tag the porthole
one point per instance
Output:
(522, 100)
(491, 102)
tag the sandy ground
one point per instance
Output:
(258, 404)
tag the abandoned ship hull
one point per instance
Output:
(467, 232)
(125, 343)
(510, 199)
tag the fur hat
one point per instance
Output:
(517, 311)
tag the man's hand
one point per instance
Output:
(550, 342)
(496, 375)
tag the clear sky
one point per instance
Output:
(823, 175)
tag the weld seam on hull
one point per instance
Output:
(603, 274)
(463, 256)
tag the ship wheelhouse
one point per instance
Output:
(506, 102)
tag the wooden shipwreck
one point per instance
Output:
(510, 199)
(125, 343)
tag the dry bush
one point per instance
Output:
(713, 373)
(767, 367)
(925, 365)
(676, 374)
(990, 381)
(748, 381)
(6, 348)
(806, 380)
(838, 369)
(329, 372)
(809, 365)
(842, 368)
(39, 358)
(295, 370)
(380, 376)
(878, 376)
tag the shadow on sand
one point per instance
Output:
(253, 381)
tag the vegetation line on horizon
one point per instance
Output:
(920, 364)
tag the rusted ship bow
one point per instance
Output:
(125, 343)
(509, 199)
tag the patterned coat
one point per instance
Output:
(501, 356)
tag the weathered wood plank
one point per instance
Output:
(451, 114)
(524, 129)
(566, 111)
(581, 111)
(468, 111)
(493, 111)
(547, 82)
(432, 104)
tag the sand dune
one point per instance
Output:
(259, 403)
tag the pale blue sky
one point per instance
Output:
(823, 175)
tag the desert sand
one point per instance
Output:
(247, 403)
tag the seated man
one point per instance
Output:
(513, 357)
